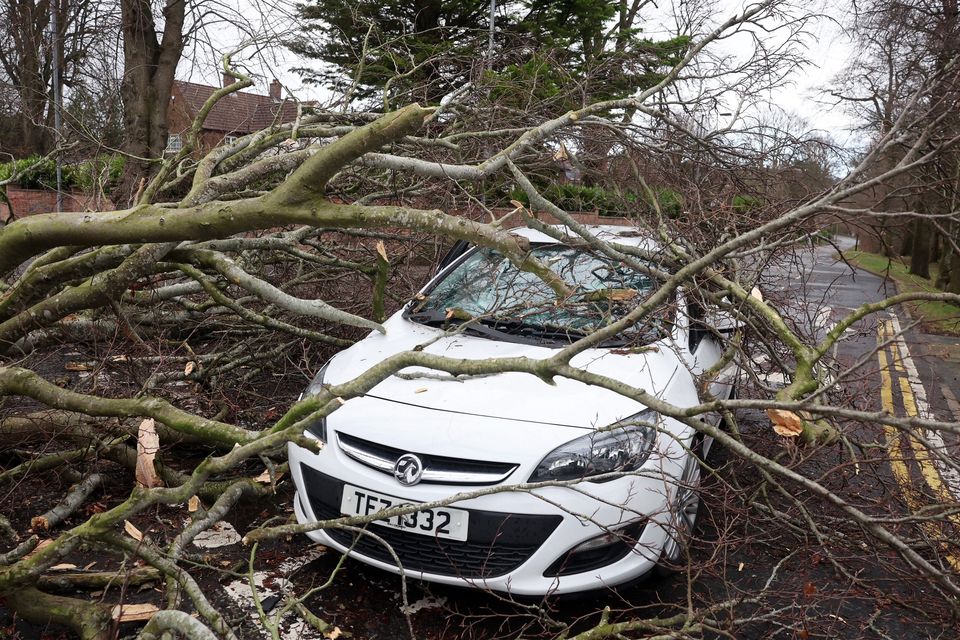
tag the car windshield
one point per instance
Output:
(488, 291)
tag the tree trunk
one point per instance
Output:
(906, 245)
(920, 255)
(945, 258)
(954, 286)
(149, 69)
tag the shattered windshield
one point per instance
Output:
(495, 298)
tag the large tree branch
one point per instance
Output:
(310, 180)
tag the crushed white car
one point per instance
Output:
(423, 436)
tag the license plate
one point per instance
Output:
(440, 523)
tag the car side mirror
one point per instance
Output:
(723, 321)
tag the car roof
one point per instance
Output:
(618, 234)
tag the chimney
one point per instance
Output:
(275, 89)
(228, 79)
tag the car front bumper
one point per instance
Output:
(515, 537)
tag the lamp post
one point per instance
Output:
(55, 39)
(493, 11)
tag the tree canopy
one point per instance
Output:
(428, 48)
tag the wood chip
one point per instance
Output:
(120, 358)
(191, 366)
(132, 531)
(785, 423)
(264, 477)
(333, 634)
(89, 566)
(382, 251)
(77, 366)
(64, 566)
(193, 504)
(133, 612)
(420, 390)
(40, 545)
(622, 294)
(148, 443)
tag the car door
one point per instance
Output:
(705, 347)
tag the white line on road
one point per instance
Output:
(950, 475)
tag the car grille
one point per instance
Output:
(436, 469)
(497, 542)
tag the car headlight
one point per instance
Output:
(318, 427)
(623, 446)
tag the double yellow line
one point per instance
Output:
(889, 354)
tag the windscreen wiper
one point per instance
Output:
(439, 320)
(520, 327)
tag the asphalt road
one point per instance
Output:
(887, 362)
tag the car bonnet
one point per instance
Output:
(511, 396)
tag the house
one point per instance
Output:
(233, 116)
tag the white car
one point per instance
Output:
(422, 436)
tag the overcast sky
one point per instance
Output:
(828, 50)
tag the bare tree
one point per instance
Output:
(26, 68)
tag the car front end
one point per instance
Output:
(521, 485)
(564, 529)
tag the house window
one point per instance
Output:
(229, 139)
(174, 143)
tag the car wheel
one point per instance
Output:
(683, 514)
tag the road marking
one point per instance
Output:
(918, 403)
(900, 471)
(928, 464)
(823, 316)
(894, 439)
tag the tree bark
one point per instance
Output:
(89, 621)
(954, 286)
(149, 68)
(920, 255)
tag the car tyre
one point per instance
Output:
(684, 513)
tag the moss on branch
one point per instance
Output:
(17, 381)
(309, 181)
(88, 620)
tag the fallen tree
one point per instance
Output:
(205, 296)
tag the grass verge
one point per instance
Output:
(937, 317)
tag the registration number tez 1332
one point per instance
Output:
(442, 522)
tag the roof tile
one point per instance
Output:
(240, 112)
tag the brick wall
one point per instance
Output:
(26, 202)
